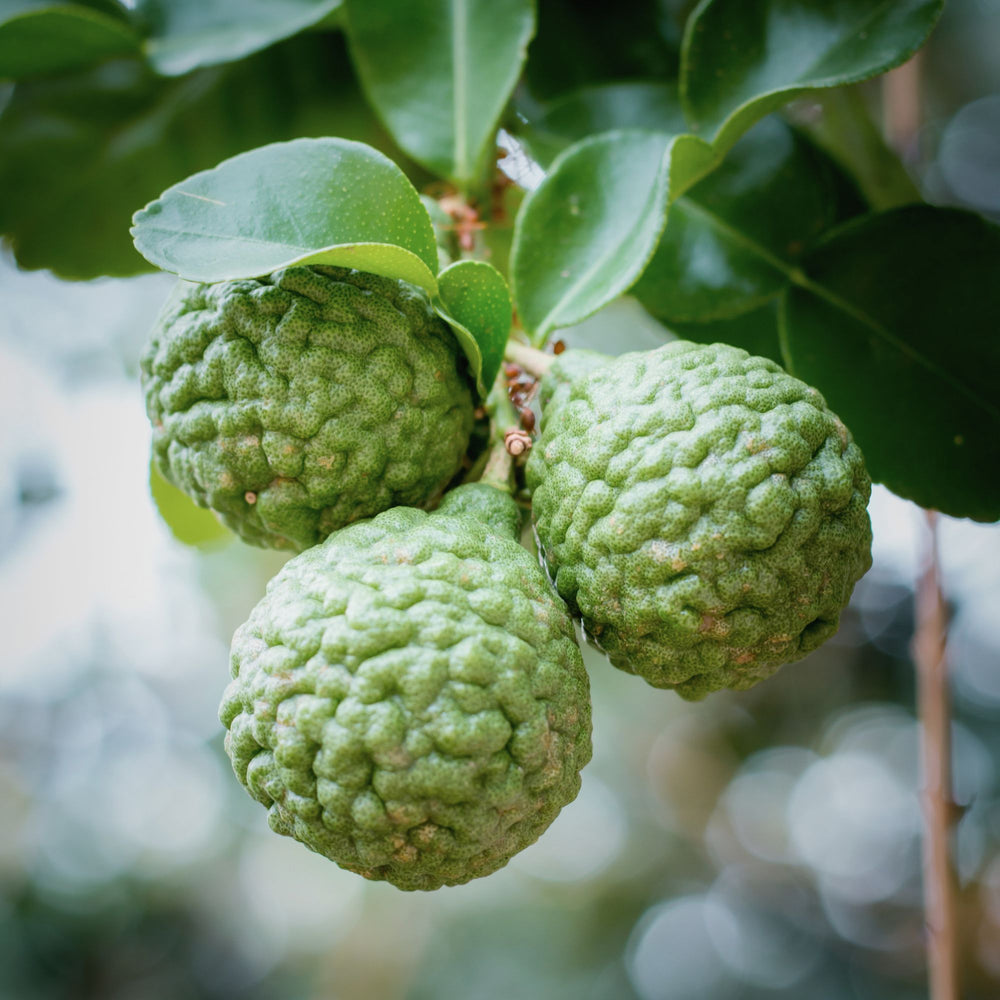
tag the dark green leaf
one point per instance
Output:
(585, 234)
(308, 201)
(439, 72)
(742, 59)
(583, 43)
(601, 108)
(896, 325)
(732, 239)
(843, 122)
(129, 135)
(39, 39)
(186, 34)
(755, 331)
(474, 299)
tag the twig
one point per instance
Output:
(933, 705)
(532, 360)
(901, 122)
(498, 468)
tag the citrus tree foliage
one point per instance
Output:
(263, 134)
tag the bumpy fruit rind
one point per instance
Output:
(703, 511)
(409, 699)
(296, 403)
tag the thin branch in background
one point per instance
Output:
(934, 708)
(901, 123)
(901, 109)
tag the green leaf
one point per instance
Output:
(733, 238)
(756, 332)
(189, 523)
(584, 43)
(601, 108)
(130, 134)
(843, 122)
(439, 72)
(474, 299)
(742, 59)
(186, 34)
(586, 233)
(308, 201)
(895, 324)
(39, 39)
(574, 250)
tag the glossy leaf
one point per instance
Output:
(732, 239)
(742, 59)
(755, 331)
(329, 201)
(601, 108)
(186, 34)
(896, 325)
(473, 297)
(586, 233)
(439, 72)
(39, 39)
(130, 134)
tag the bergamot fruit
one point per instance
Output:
(408, 699)
(296, 403)
(703, 511)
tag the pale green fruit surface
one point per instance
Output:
(294, 404)
(703, 511)
(409, 699)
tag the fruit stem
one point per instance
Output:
(531, 359)
(498, 468)
(933, 705)
(503, 417)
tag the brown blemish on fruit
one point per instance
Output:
(715, 625)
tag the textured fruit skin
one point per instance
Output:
(702, 510)
(409, 699)
(297, 403)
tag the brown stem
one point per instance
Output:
(933, 704)
(901, 122)
(902, 108)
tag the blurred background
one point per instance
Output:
(754, 845)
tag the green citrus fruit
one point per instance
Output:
(296, 403)
(409, 699)
(703, 511)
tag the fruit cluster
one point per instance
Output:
(409, 698)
